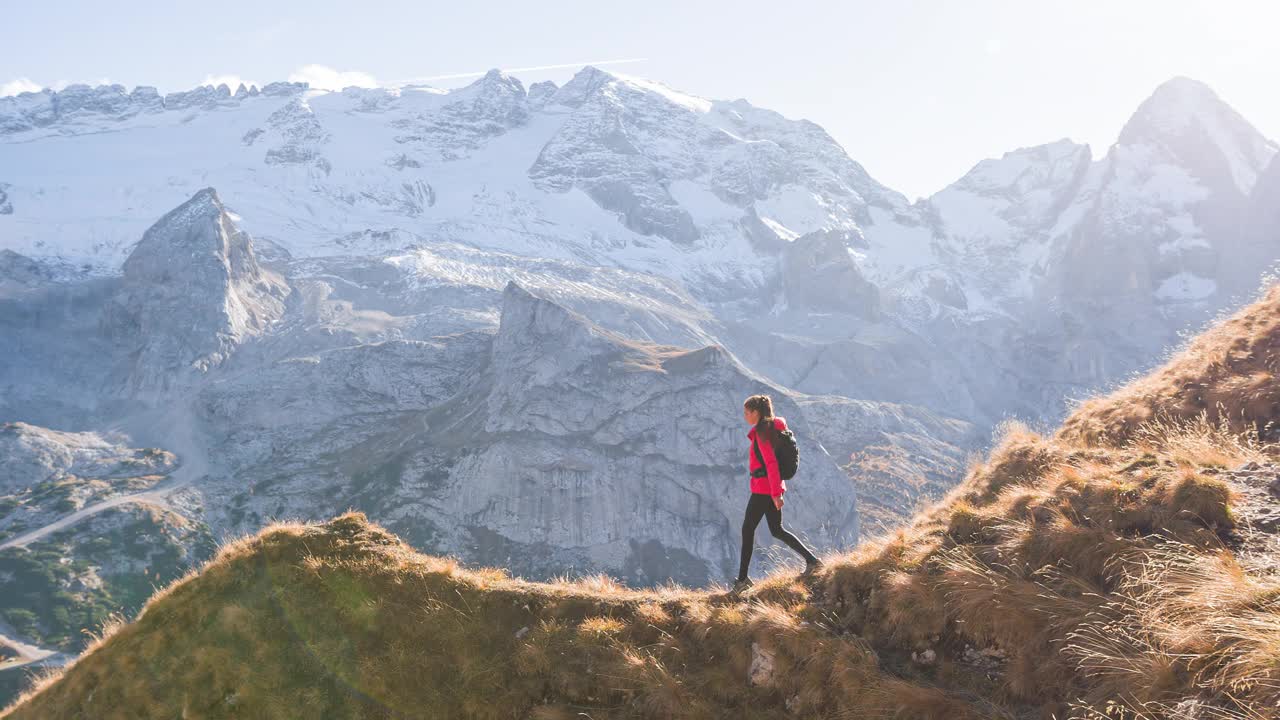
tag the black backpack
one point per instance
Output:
(785, 451)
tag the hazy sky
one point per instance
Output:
(916, 91)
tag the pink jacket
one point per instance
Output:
(772, 484)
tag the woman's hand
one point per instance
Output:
(777, 501)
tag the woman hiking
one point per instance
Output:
(767, 488)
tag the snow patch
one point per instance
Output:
(690, 102)
(1185, 286)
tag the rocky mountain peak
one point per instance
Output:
(1185, 121)
(584, 83)
(493, 85)
(1026, 170)
(1174, 104)
(192, 291)
(540, 93)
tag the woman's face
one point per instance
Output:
(751, 416)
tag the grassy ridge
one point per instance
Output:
(343, 620)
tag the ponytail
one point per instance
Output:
(764, 427)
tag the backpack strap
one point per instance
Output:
(755, 445)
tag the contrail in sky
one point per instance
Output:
(562, 66)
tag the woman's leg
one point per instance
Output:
(774, 516)
(755, 511)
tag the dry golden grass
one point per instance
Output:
(1099, 573)
(342, 620)
(1228, 373)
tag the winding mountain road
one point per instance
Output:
(158, 496)
(28, 655)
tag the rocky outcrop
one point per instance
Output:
(996, 220)
(192, 291)
(818, 272)
(31, 455)
(18, 272)
(625, 453)
(554, 445)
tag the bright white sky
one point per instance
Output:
(916, 91)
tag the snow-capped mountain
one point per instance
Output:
(1156, 221)
(606, 171)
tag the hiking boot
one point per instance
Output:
(740, 585)
(811, 567)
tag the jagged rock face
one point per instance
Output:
(293, 417)
(782, 159)
(626, 143)
(1260, 247)
(1185, 122)
(613, 453)
(191, 292)
(613, 149)
(818, 272)
(300, 133)
(82, 104)
(540, 93)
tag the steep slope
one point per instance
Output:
(1227, 374)
(1189, 155)
(996, 218)
(1059, 580)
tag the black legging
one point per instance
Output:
(759, 505)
